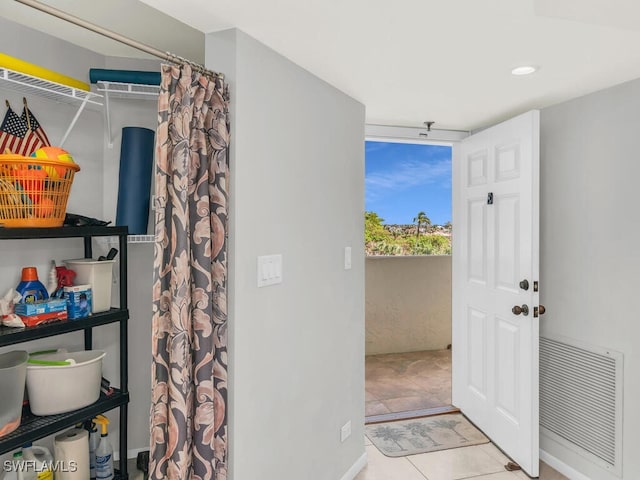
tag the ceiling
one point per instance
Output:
(410, 61)
(130, 18)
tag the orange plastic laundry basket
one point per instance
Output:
(34, 191)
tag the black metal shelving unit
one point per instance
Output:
(33, 428)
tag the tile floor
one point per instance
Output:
(480, 462)
(398, 382)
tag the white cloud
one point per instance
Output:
(408, 174)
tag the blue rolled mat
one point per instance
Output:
(134, 183)
(124, 76)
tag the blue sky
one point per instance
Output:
(402, 179)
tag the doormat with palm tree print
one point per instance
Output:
(420, 435)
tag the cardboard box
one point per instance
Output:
(79, 301)
(51, 305)
(33, 320)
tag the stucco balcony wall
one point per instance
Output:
(408, 303)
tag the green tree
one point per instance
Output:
(374, 231)
(429, 245)
(421, 219)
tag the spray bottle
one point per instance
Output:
(94, 441)
(52, 280)
(104, 452)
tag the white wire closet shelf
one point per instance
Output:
(128, 90)
(131, 91)
(57, 92)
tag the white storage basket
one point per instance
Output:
(62, 382)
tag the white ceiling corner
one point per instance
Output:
(616, 14)
(130, 18)
(414, 60)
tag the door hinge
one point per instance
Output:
(490, 198)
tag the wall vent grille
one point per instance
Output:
(580, 399)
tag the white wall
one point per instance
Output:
(84, 143)
(94, 193)
(408, 303)
(590, 234)
(296, 349)
(125, 112)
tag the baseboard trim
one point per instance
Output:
(562, 467)
(356, 468)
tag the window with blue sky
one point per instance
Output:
(403, 179)
(408, 199)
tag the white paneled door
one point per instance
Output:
(495, 284)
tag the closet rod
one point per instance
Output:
(170, 57)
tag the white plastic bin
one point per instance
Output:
(98, 274)
(63, 382)
(13, 368)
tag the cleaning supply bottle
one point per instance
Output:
(104, 452)
(20, 467)
(39, 460)
(52, 281)
(16, 466)
(94, 440)
(10, 470)
(31, 289)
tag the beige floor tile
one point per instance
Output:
(392, 388)
(380, 467)
(500, 476)
(410, 381)
(413, 402)
(398, 379)
(548, 473)
(434, 378)
(456, 463)
(379, 370)
(375, 407)
(494, 452)
(369, 397)
(418, 367)
(520, 475)
(367, 442)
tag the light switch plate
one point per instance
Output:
(347, 258)
(345, 431)
(269, 270)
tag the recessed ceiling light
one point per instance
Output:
(524, 70)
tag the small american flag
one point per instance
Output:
(16, 136)
(30, 120)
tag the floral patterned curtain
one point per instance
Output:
(189, 371)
